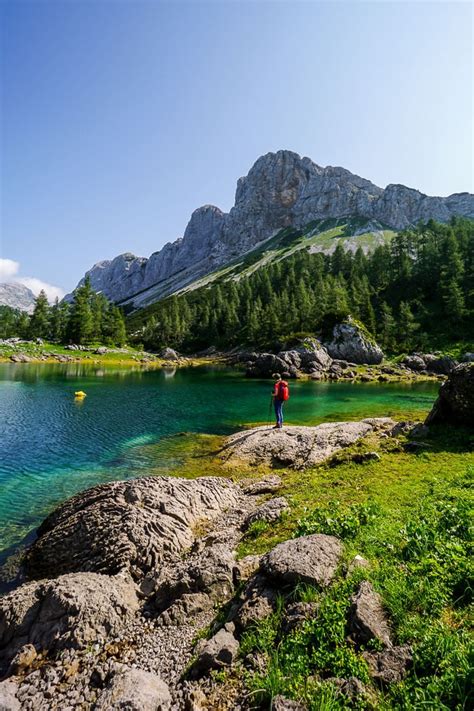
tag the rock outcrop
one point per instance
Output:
(135, 690)
(129, 525)
(351, 342)
(455, 403)
(299, 447)
(310, 357)
(70, 611)
(430, 363)
(309, 559)
(281, 190)
(367, 618)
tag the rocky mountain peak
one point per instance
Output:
(281, 189)
(17, 296)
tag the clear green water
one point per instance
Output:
(52, 446)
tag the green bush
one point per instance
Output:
(337, 520)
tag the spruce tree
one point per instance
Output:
(81, 325)
(40, 319)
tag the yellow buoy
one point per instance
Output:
(80, 394)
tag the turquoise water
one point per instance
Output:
(52, 446)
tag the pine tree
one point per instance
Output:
(40, 319)
(388, 328)
(81, 325)
(407, 327)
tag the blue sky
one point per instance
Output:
(120, 118)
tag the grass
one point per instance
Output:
(129, 356)
(410, 516)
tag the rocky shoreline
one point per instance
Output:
(125, 577)
(133, 595)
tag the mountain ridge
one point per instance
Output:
(280, 190)
(17, 296)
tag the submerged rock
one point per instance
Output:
(127, 525)
(299, 447)
(455, 403)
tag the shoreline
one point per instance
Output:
(364, 374)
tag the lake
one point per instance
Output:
(52, 446)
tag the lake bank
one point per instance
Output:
(129, 424)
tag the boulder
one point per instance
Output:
(127, 525)
(298, 447)
(184, 609)
(390, 665)
(414, 362)
(256, 602)
(169, 354)
(441, 365)
(267, 485)
(8, 698)
(135, 690)
(352, 342)
(467, 358)
(265, 365)
(352, 688)
(367, 619)
(218, 652)
(455, 403)
(271, 511)
(309, 559)
(281, 703)
(71, 611)
(209, 570)
(296, 615)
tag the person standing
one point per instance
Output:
(280, 394)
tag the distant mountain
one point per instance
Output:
(17, 296)
(282, 190)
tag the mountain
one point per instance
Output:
(282, 190)
(17, 296)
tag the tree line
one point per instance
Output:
(90, 318)
(413, 293)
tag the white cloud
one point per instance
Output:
(8, 269)
(36, 285)
(9, 273)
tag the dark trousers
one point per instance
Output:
(279, 411)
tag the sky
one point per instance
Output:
(120, 117)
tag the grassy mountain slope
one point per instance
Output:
(318, 236)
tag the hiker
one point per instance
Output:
(280, 393)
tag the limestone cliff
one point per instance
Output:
(281, 190)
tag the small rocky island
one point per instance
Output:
(134, 595)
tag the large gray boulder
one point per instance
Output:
(135, 690)
(455, 403)
(71, 611)
(298, 447)
(127, 525)
(309, 559)
(352, 342)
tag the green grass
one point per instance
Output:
(410, 516)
